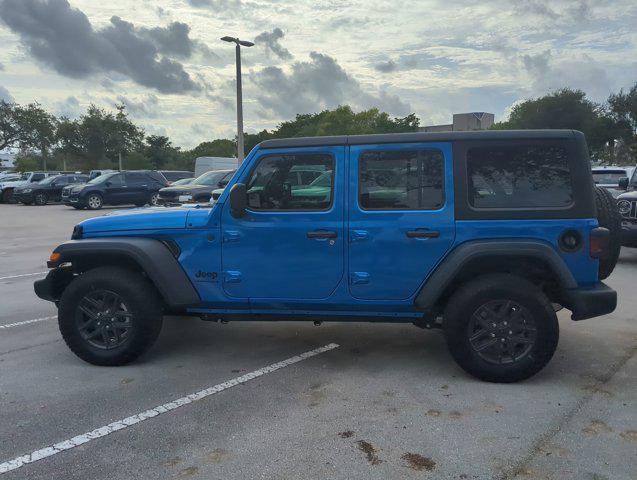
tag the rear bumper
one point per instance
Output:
(590, 302)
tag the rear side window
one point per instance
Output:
(518, 176)
(275, 183)
(136, 177)
(401, 180)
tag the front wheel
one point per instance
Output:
(110, 316)
(500, 328)
(41, 198)
(94, 201)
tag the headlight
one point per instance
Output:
(624, 207)
(77, 189)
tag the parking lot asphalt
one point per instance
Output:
(387, 402)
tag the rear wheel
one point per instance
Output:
(110, 316)
(608, 216)
(41, 198)
(500, 328)
(94, 201)
(154, 199)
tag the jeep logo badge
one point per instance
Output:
(206, 276)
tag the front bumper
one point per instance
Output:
(23, 197)
(51, 287)
(589, 302)
(629, 233)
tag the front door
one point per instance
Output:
(115, 190)
(401, 219)
(290, 243)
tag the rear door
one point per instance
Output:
(401, 220)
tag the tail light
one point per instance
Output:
(598, 242)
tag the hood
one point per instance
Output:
(159, 218)
(630, 195)
(15, 183)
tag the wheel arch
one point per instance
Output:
(535, 261)
(151, 257)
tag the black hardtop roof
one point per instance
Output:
(415, 137)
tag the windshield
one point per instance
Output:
(209, 178)
(608, 177)
(102, 178)
(25, 176)
(47, 180)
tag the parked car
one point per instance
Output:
(174, 175)
(483, 234)
(7, 173)
(47, 190)
(138, 187)
(198, 191)
(613, 178)
(26, 178)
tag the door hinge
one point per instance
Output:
(231, 236)
(358, 235)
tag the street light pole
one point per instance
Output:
(238, 43)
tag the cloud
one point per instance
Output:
(62, 37)
(315, 85)
(386, 67)
(581, 72)
(5, 95)
(69, 107)
(216, 4)
(270, 41)
(1, 67)
(146, 107)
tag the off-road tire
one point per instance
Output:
(468, 300)
(608, 216)
(138, 295)
(41, 199)
(95, 205)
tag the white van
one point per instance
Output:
(206, 164)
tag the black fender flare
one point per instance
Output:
(153, 257)
(451, 266)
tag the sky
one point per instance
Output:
(163, 58)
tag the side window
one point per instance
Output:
(520, 176)
(61, 181)
(116, 180)
(269, 186)
(136, 178)
(401, 180)
(37, 177)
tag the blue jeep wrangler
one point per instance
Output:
(484, 234)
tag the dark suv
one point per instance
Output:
(47, 190)
(197, 191)
(138, 187)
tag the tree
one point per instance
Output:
(216, 148)
(568, 109)
(160, 151)
(9, 126)
(38, 130)
(623, 107)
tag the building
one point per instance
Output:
(463, 122)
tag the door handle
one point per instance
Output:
(321, 234)
(422, 234)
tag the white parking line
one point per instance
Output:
(26, 322)
(23, 275)
(153, 412)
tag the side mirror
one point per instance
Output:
(623, 183)
(238, 200)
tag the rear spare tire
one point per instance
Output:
(608, 217)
